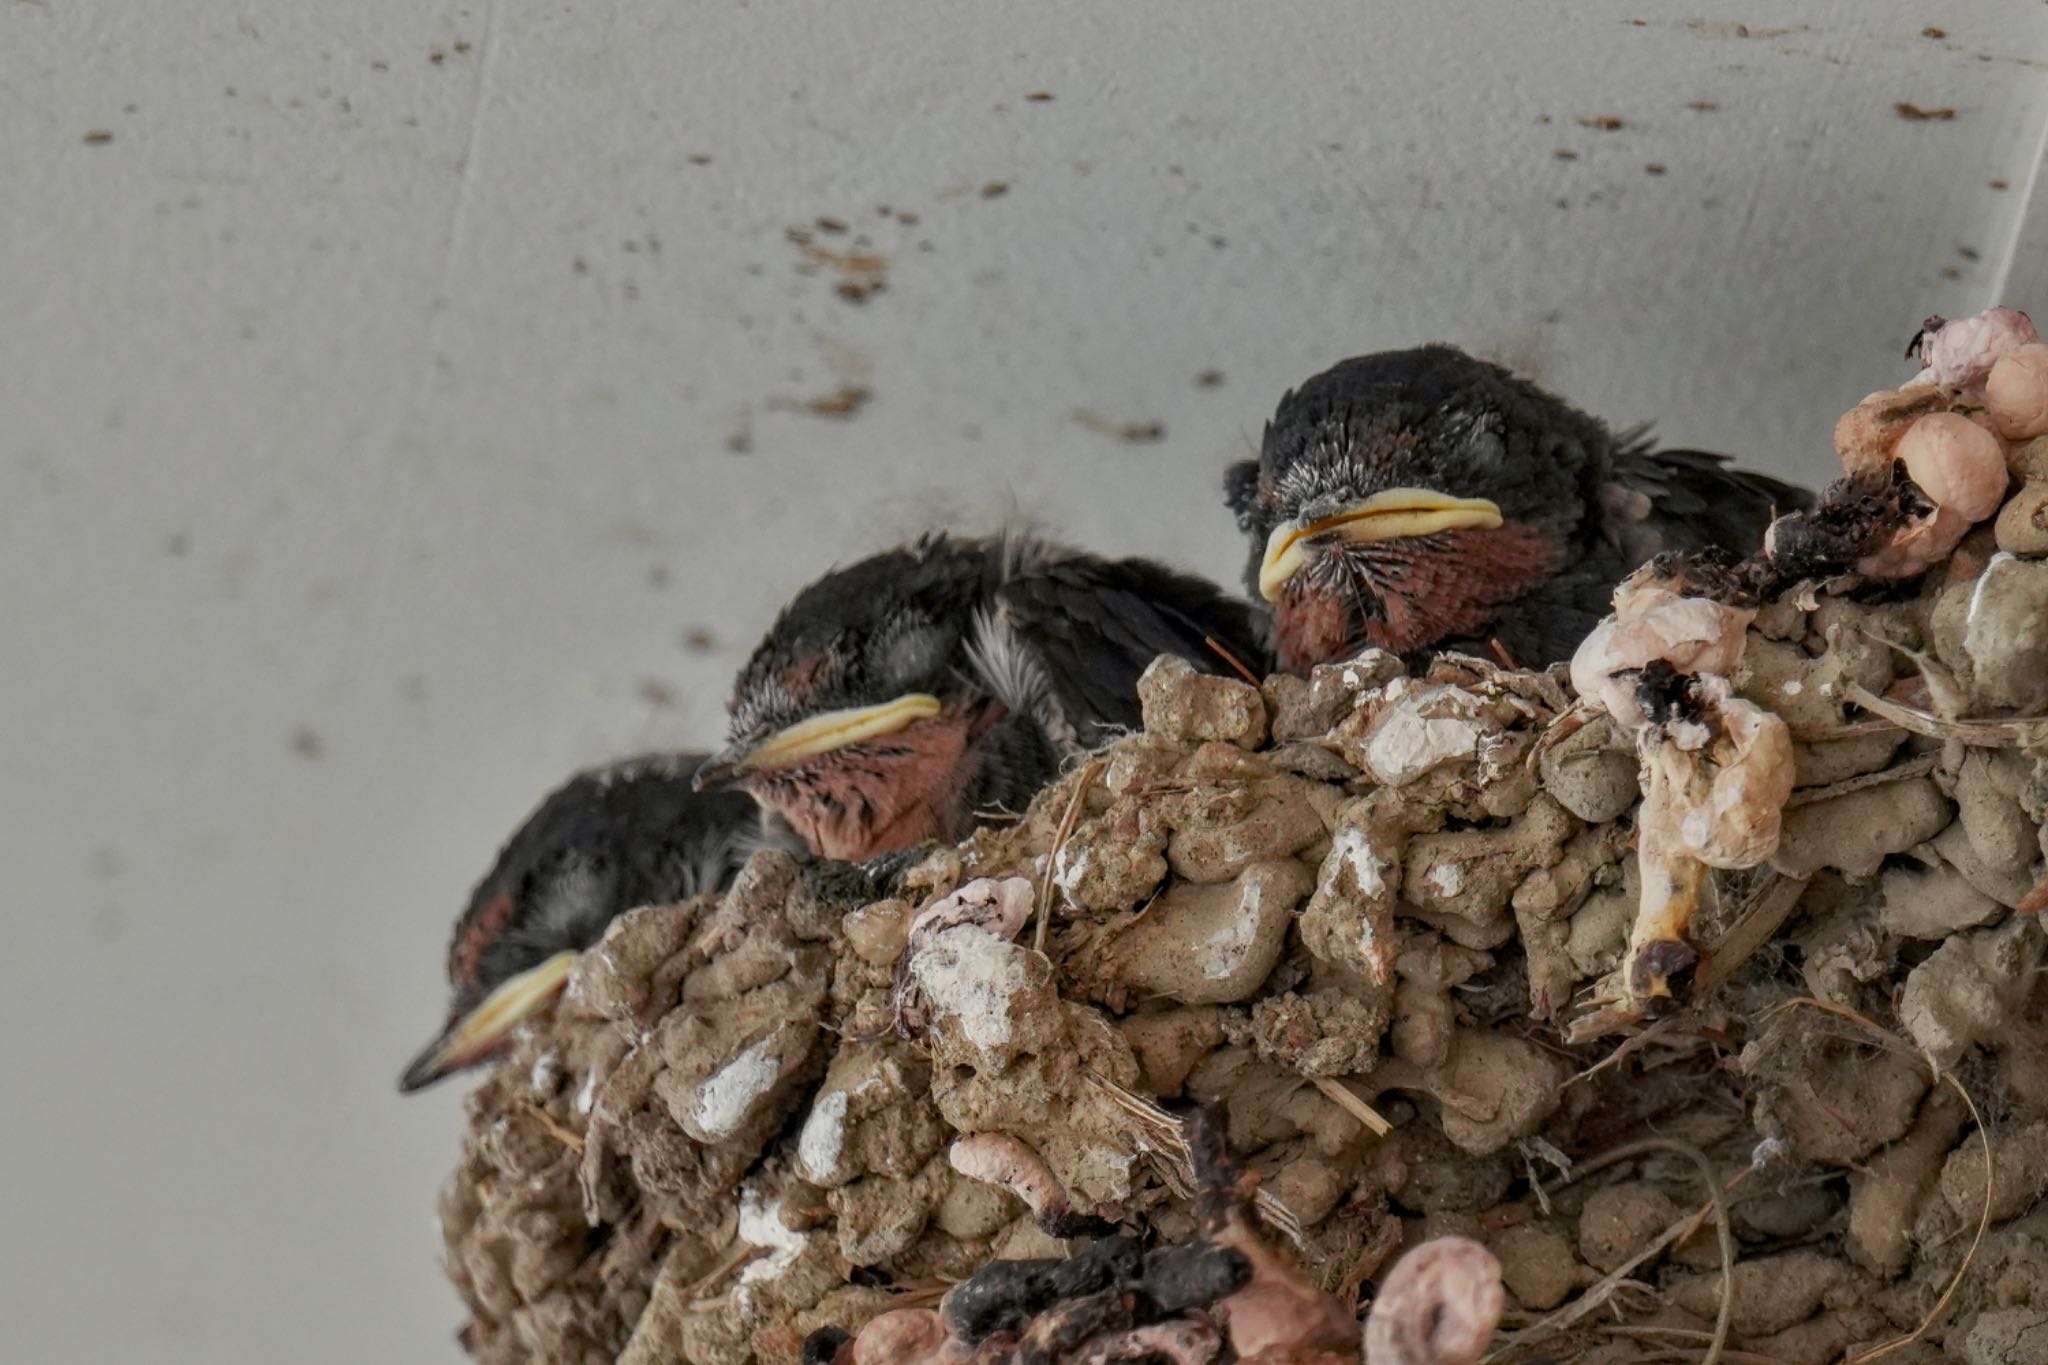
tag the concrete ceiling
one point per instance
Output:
(408, 402)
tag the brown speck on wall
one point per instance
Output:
(2001, 184)
(656, 693)
(98, 137)
(1914, 113)
(1131, 433)
(1606, 123)
(698, 158)
(1209, 379)
(699, 640)
(1654, 168)
(1703, 106)
(306, 742)
(1039, 97)
(842, 403)
(1932, 32)
(995, 189)
(1565, 154)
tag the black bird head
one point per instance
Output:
(857, 718)
(1404, 498)
(905, 697)
(605, 842)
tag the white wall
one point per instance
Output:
(365, 426)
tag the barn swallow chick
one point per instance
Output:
(1423, 500)
(607, 841)
(906, 697)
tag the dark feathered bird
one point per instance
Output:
(1421, 500)
(607, 841)
(906, 696)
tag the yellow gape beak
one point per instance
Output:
(830, 730)
(1396, 514)
(471, 1038)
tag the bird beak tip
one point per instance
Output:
(1284, 558)
(477, 1035)
(430, 1066)
(718, 774)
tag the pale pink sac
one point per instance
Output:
(1958, 355)
(1917, 546)
(2016, 393)
(1867, 435)
(1439, 1305)
(1651, 622)
(1957, 464)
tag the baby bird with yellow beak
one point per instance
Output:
(920, 691)
(1424, 500)
(607, 841)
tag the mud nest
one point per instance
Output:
(1365, 931)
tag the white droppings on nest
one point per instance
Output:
(1447, 878)
(1351, 850)
(822, 1142)
(587, 1096)
(1792, 687)
(1368, 868)
(972, 975)
(1072, 866)
(1983, 581)
(1416, 735)
(724, 1099)
(823, 1138)
(602, 951)
(1498, 754)
(547, 1069)
(761, 1225)
(1689, 735)
(1224, 951)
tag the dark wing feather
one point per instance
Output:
(1094, 625)
(1690, 499)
